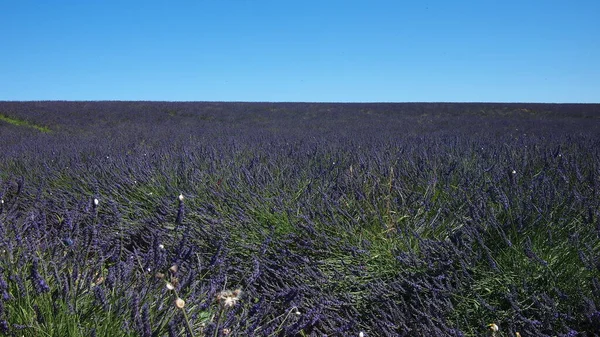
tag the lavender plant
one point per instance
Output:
(142, 218)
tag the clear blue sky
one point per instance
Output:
(284, 50)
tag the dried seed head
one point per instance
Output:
(517, 334)
(159, 276)
(221, 295)
(226, 331)
(230, 302)
(170, 286)
(228, 298)
(493, 327)
(179, 303)
(174, 269)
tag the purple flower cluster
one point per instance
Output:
(39, 284)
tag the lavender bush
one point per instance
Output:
(289, 219)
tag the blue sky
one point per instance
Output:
(318, 51)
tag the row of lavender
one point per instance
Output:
(331, 219)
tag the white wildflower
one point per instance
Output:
(170, 286)
(181, 197)
(96, 202)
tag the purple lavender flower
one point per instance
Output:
(37, 280)
(172, 329)
(528, 250)
(571, 333)
(100, 297)
(147, 329)
(38, 314)
(67, 242)
(4, 289)
(4, 326)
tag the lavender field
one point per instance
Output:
(298, 219)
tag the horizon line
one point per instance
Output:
(296, 102)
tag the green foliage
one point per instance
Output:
(21, 122)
